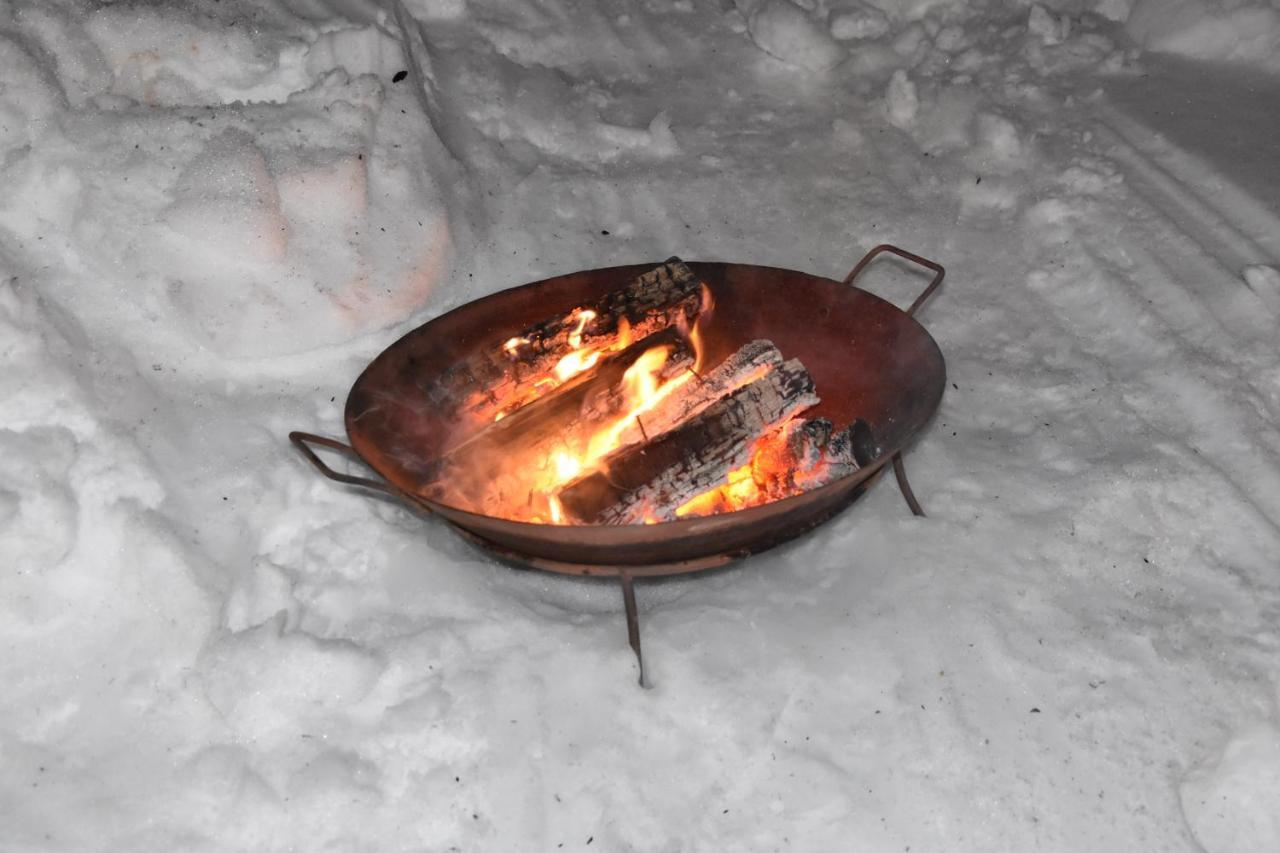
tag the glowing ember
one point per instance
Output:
(588, 450)
(772, 473)
(738, 492)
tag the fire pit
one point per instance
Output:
(872, 364)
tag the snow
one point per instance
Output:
(216, 213)
(783, 29)
(859, 21)
(1232, 30)
(1230, 802)
(1265, 281)
(901, 102)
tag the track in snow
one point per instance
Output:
(1193, 141)
(1157, 294)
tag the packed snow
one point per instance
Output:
(216, 213)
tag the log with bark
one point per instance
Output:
(651, 481)
(807, 454)
(796, 457)
(504, 376)
(533, 425)
(749, 363)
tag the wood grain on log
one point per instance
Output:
(808, 454)
(652, 480)
(501, 377)
(750, 362)
(489, 467)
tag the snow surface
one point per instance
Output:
(216, 213)
(1210, 29)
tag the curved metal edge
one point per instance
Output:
(303, 440)
(601, 569)
(939, 271)
(900, 472)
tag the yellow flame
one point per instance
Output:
(642, 388)
(738, 490)
(575, 362)
(640, 381)
(642, 391)
(585, 316)
(567, 467)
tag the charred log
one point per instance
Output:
(502, 378)
(752, 361)
(796, 457)
(807, 454)
(483, 469)
(651, 481)
(794, 454)
(855, 443)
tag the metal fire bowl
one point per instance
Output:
(868, 358)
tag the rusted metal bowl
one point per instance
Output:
(868, 358)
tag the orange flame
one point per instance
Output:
(772, 473)
(642, 388)
(579, 359)
(642, 391)
(567, 467)
(737, 492)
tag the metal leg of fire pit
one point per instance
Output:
(633, 621)
(900, 472)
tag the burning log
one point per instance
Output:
(855, 443)
(649, 481)
(514, 372)
(796, 457)
(484, 470)
(747, 364)
(790, 456)
(807, 454)
(581, 423)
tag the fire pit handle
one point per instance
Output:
(902, 253)
(301, 440)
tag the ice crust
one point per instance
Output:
(216, 213)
